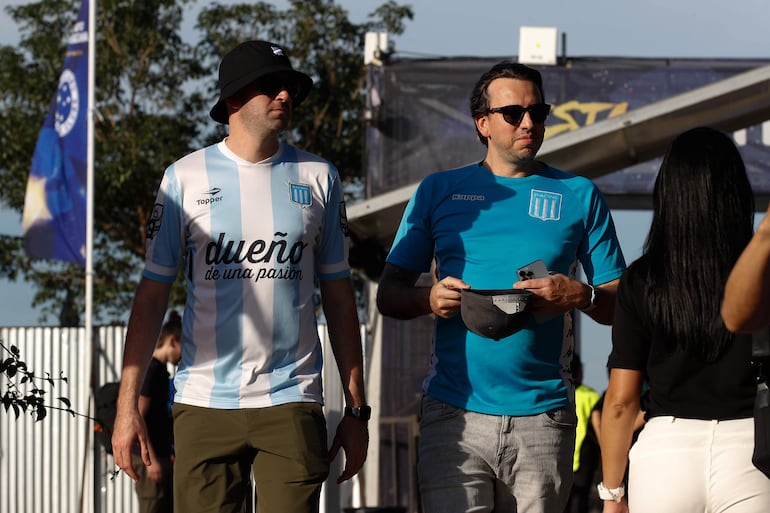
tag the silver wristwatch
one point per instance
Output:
(611, 494)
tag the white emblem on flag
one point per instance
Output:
(67, 103)
(545, 205)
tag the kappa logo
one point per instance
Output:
(300, 194)
(468, 197)
(210, 197)
(545, 205)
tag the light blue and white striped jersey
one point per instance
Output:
(252, 238)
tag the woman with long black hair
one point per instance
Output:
(694, 453)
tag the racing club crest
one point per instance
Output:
(300, 193)
(545, 205)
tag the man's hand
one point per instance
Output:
(445, 296)
(155, 472)
(616, 507)
(556, 293)
(129, 430)
(353, 436)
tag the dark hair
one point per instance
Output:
(503, 69)
(703, 217)
(172, 326)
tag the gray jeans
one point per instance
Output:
(472, 462)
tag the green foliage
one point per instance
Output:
(154, 92)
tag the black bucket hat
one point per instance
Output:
(495, 313)
(249, 61)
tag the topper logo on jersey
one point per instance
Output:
(300, 193)
(545, 205)
(236, 252)
(211, 196)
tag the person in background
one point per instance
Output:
(586, 460)
(694, 452)
(255, 225)
(154, 489)
(746, 304)
(497, 427)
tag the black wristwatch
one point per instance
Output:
(360, 412)
(594, 301)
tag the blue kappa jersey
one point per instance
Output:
(252, 238)
(481, 228)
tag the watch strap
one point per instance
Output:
(594, 300)
(360, 412)
(611, 494)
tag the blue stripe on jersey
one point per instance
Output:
(332, 244)
(163, 229)
(226, 219)
(172, 220)
(334, 276)
(283, 361)
(158, 277)
(190, 349)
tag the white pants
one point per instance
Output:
(696, 466)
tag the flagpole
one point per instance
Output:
(97, 496)
(90, 169)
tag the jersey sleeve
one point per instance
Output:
(413, 246)
(332, 249)
(165, 239)
(600, 253)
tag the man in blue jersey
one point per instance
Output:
(497, 429)
(254, 222)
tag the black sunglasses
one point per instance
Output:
(272, 85)
(513, 114)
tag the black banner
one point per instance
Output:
(421, 123)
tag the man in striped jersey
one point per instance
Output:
(256, 223)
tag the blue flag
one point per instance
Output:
(54, 219)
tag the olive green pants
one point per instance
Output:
(283, 446)
(154, 497)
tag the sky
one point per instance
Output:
(490, 28)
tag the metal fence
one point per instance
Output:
(55, 465)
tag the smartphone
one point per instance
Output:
(533, 270)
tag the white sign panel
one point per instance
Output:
(537, 45)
